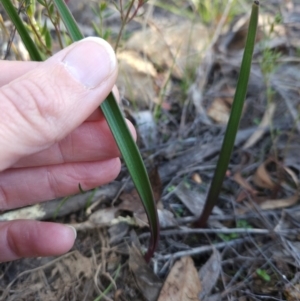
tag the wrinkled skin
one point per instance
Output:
(52, 137)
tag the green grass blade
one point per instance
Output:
(15, 18)
(234, 119)
(124, 140)
(110, 286)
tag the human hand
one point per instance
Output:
(53, 137)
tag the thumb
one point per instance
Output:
(47, 103)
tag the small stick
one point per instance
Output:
(223, 231)
(200, 250)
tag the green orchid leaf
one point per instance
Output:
(234, 119)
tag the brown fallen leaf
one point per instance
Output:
(283, 202)
(182, 283)
(280, 203)
(219, 111)
(147, 282)
(284, 177)
(245, 185)
(209, 274)
(292, 292)
(197, 178)
(262, 178)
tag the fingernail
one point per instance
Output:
(91, 61)
(74, 230)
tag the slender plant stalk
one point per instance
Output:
(15, 18)
(55, 24)
(38, 35)
(234, 120)
(124, 22)
(110, 286)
